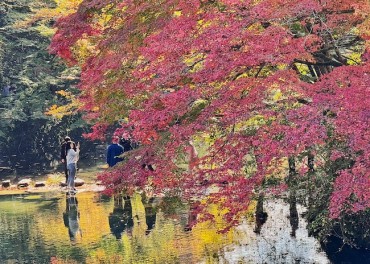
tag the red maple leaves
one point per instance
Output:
(256, 81)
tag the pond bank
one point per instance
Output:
(50, 182)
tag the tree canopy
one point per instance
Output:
(228, 93)
(32, 81)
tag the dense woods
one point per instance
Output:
(30, 79)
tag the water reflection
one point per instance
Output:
(260, 215)
(150, 214)
(121, 217)
(122, 220)
(192, 216)
(281, 239)
(293, 213)
(140, 230)
(71, 217)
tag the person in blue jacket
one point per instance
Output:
(113, 152)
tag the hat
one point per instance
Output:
(67, 138)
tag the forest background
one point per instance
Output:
(252, 98)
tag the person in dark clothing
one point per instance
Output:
(63, 154)
(113, 152)
(126, 144)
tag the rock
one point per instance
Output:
(5, 184)
(40, 184)
(79, 182)
(24, 183)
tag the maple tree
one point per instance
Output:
(249, 84)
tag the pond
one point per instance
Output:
(56, 228)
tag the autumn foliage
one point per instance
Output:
(246, 84)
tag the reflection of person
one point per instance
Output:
(73, 152)
(150, 215)
(113, 151)
(63, 154)
(121, 217)
(71, 217)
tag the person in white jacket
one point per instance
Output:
(71, 159)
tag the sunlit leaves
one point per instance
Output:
(256, 78)
(66, 109)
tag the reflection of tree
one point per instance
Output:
(121, 217)
(292, 182)
(71, 217)
(18, 227)
(192, 216)
(261, 215)
(293, 213)
(171, 205)
(161, 238)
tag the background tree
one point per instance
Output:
(29, 140)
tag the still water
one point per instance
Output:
(90, 228)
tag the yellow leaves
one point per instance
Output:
(105, 16)
(67, 5)
(277, 95)
(302, 68)
(252, 122)
(177, 13)
(44, 15)
(354, 58)
(203, 24)
(64, 94)
(45, 31)
(255, 27)
(64, 110)
(251, 211)
(83, 49)
(194, 61)
(59, 111)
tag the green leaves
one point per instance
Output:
(33, 76)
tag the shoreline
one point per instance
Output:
(87, 187)
(52, 182)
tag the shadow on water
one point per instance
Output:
(345, 254)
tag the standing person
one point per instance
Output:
(113, 152)
(126, 144)
(63, 154)
(73, 152)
